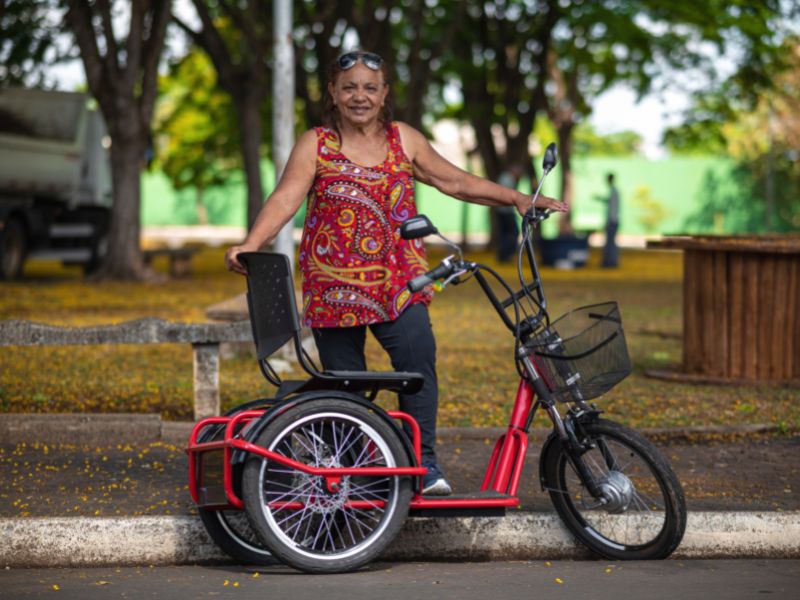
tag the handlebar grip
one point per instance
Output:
(416, 284)
(419, 282)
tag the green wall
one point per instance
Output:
(669, 191)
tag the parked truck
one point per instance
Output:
(55, 180)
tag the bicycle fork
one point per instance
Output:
(565, 430)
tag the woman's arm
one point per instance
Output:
(431, 168)
(283, 202)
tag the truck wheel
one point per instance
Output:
(13, 247)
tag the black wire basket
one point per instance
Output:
(583, 353)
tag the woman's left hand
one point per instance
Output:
(551, 203)
(523, 203)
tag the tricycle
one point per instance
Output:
(321, 478)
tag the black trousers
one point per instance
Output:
(411, 347)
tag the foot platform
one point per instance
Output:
(487, 503)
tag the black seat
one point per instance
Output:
(273, 316)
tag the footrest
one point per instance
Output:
(483, 495)
(477, 504)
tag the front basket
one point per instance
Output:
(583, 353)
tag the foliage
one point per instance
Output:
(198, 140)
(588, 142)
(28, 42)
(763, 135)
(477, 379)
(650, 211)
(237, 37)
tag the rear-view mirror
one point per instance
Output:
(550, 157)
(417, 227)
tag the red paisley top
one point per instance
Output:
(354, 263)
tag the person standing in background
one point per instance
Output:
(611, 250)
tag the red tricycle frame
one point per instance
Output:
(502, 475)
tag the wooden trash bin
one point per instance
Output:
(741, 307)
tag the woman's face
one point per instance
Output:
(359, 94)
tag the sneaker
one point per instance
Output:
(434, 483)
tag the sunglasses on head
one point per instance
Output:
(368, 59)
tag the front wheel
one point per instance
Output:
(642, 512)
(304, 523)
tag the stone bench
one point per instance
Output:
(180, 259)
(205, 339)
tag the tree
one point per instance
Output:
(198, 142)
(27, 42)
(122, 76)
(763, 135)
(515, 59)
(237, 37)
(588, 142)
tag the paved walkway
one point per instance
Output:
(718, 473)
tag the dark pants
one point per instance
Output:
(410, 344)
(610, 250)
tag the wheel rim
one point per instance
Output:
(235, 524)
(326, 527)
(635, 512)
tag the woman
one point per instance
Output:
(358, 173)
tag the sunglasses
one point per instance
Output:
(368, 59)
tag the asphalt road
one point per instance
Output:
(672, 579)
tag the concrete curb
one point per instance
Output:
(77, 541)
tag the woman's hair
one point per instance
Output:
(330, 114)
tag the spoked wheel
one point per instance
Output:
(643, 511)
(302, 521)
(230, 529)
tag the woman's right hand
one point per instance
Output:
(231, 258)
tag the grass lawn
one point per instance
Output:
(477, 379)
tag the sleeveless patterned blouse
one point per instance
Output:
(354, 263)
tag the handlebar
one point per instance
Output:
(445, 268)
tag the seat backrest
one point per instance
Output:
(271, 300)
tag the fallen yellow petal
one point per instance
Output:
(235, 584)
(226, 582)
(55, 587)
(256, 574)
(558, 580)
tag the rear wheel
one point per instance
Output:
(642, 514)
(302, 521)
(230, 529)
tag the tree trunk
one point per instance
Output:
(200, 207)
(565, 157)
(247, 109)
(124, 257)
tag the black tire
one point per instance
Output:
(644, 521)
(13, 249)
(334, 538)
(230, 529)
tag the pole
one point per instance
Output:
(283, 108)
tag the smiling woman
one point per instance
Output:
(358, 173)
